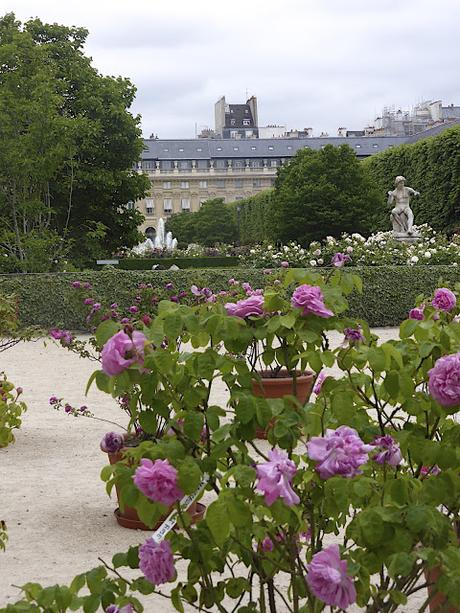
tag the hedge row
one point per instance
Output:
(48, 300)
(432, 167)
(254, 218)
(192, 262)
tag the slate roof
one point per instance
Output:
(238, 112)
(205, 149)
(196, 149)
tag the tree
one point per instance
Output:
(321, 193)
(68, 146)
(213, 223)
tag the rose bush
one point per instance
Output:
(358, 494)
(11, 409)
(377, 250)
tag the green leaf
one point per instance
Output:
(400, 565)
(218, 522)
(176, 599)
(189, 475)
(119, 559)
(391, 384)
(246, 409)
(193, 425)
(78, 583)
(106, 330)
(239, 512)
(407, 328)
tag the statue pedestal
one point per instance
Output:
(405, 237)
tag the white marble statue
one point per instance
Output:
(401, 215)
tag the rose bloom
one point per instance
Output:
(340, 259)
(76, 284)
(353, 335)
(111, 442)
(444, 380)
(158, 481)
(254, 305)
(444, 299)
(284, 264)
(389, 451)
(267, 544)
(156, 562)
(275, 476)
(427, 471)
(416, 313)
(340, 452)
(328, 580)
(319, 382)
(121, 351)
(310, 299)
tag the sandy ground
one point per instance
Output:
(59, 518)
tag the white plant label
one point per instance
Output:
(185, 503)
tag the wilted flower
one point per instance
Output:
(444, 380)
(319, 382)
(169, 285)
(275, 476)
(417, 313)
(389, 451)
(112, 442)
(156, 561)
(158, 481)
(328, 580)
(340, 452)
(353, 335)
(340, 259)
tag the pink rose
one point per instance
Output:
(444, 299)
(444, 380)
(275, 476)
(156, 562)
(121, 351)
(254, 305)
(158, 481)
(328, 580)
(310, 299)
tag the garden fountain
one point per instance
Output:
(163, 241)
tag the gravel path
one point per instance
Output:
(59, 517)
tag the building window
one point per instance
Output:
(238, 197)
(375, 145)
(255, 163)
(220, 183)
(256, 183)
(239, 183)
(166, 165)
(236, 148)
(220, 164)
(199, 149)
(203, 184)
(219, 148)
(272, 182)
(183, 165)
(180, 149)
(249, 133)
(270, 147)
(234, 133)
(246, 111)
(184, 184)
(166, 184)
(167, 205)
(289, 147)
(273, 163)
(185, 204)
(165, 149)
(246, 122)
(238, 164)
(358, 146)
(130, 205)
(149, 208)
(232, 122)
(253, 148)
(148, 164)
(150, 233)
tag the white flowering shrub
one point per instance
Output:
(379, 249)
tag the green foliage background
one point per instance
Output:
(48, 300)
(191, 262)
(432, 167)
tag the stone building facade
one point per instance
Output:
(185, 173)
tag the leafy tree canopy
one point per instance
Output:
(322, 193)
(213, 223)
(68, 146)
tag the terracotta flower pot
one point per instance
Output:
(439, 604)
(128, 518)
(282, 385)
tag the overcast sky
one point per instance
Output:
(311, 63)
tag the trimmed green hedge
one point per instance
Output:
(48, 300)
(192, 262)
(432, 167)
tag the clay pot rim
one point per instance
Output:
(281, 378)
